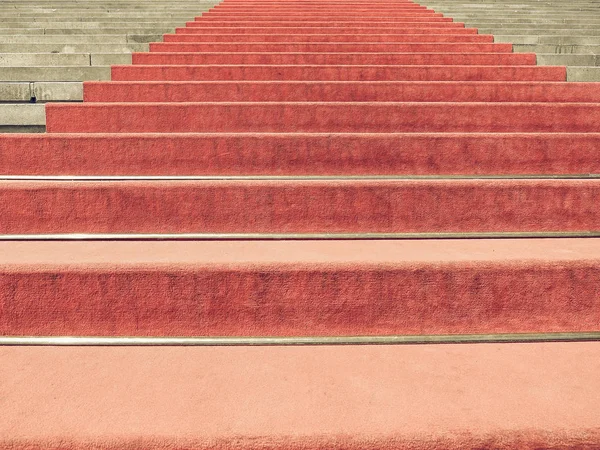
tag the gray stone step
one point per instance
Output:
(73, 48)
(63, 59)
(559, 49)
(583, 73)
(553, 39)
(536, 31)
(81, 39)
(54, 73)
(81, 27)
(549, 59)
(41, 91)
(22, 115)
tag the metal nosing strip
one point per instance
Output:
(87, 341)
(291, 236)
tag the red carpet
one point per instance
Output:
(521, 396)
(253, 134)
(300, 288)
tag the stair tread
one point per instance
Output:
(354, 397)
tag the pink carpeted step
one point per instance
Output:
(351, 117)
(452, 397)
(299, 288)
(323, 31)
(300, 154)
(319, 16)
(190, 58)
(396, 91)
(271, 72)
(333, 47)
(413, 22)
(324, 27)
(408, 18)
(300, 206)
(330, 39)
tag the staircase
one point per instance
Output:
(49, 47)
(306, 224)
(565, 33)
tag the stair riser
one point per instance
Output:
(383, 23)
(321, 27)
(333, 19)
(329, 39)
(268, 16)
(300, 154)
(336, 73)
(350, 32)
(494, 59)
(350, 206)
(308, 300)
(315, 117)
(331, 47)
(214, 91)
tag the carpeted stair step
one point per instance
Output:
(323, 31)
(299, 288)
(343, 39)
(470, 154)
(333, 47)
(271, 72)
(321, 27)
(382, 23)
(190, 58)
(299, 205)
(337, 91)
(500, 396)
(366, 117)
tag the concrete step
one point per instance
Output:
(286, 154)
(552, 39)
(54, 73)
(568, 60)
(80, 39)
(14, 115)
(92, 31)
(40, 91)
(73, 48)
(541, 31)
(337, 73)
(62, 59)
(583, 74)
(557, 49)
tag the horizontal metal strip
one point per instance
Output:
(269, 341)
(290, 178)
(290, 236)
